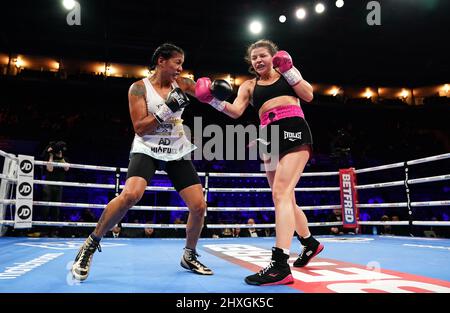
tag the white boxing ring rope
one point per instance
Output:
(207, 189)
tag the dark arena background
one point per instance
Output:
(380, 72)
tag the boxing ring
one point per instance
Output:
(349, 263)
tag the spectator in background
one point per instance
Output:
(336, 216)
(54, 152)
(150, 232)
(227, 233)
(116, 230)
(251, 232)
(386, 229)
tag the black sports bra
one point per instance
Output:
(261, 94)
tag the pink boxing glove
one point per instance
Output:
(283, 61)
(204, 92)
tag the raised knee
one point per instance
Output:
(130, 198)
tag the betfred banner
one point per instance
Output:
(347, 181)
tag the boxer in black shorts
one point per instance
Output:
(275, 93)
(156, 104)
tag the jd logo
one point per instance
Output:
(24, 189)
(164, 141)
(26, 166)
(374, 16)
(24, 212)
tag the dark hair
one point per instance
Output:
(166, 51)
(57, 146)
(263, 43)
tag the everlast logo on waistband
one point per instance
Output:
(292, 136)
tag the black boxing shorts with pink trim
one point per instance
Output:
(293, 132)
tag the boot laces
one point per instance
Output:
(302, 254)
(267, 268)
(192, 257)
(87, 252)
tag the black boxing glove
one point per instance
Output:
(214, 93)
(176, 100)
(221, 89)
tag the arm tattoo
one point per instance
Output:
(137, 90)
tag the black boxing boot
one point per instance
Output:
(311, 248)
(277, 272)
